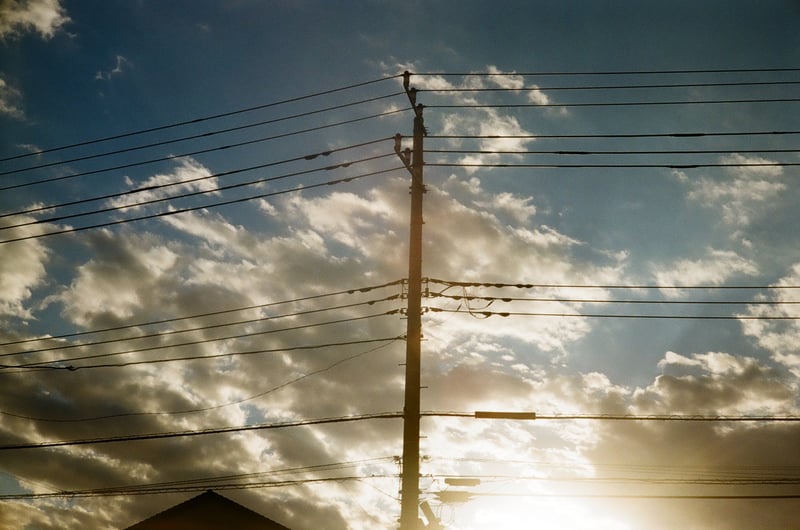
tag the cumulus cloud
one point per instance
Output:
(44, 17)
(189, 176)
(742, 193)
(22, 266)
(780, 337)
(10, 101)
(716, 267)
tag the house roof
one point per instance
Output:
(208, 511)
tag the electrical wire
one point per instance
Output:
(492, 299)
(201, 207)
(688, 134)
(154, 187)
(49, 365)
(201, 151)
(201, 135)
(615, 166)
(608, 103)
(207, 327)
(451, 283)
(226, 355)
(203, 432)
(196, 488)
(606, 87)
(201, 119)
(217, 189)
(487, 314)
(387, 342)
(610, 72)
(558, 416)
(365, 289)
(607, 152)
(641, 496)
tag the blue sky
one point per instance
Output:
(274, 103)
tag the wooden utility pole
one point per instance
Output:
(409, 506)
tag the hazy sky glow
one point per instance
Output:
(237, 264)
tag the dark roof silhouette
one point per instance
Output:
(209, 511)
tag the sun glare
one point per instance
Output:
(523, 513)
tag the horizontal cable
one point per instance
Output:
(602, 286)
(201, 207)
(290, 382)
(48, 365)
(611, 72)
(635, 417)
(608, 103)
(195, 488)
(197, 192)
(615, 166)
(196, 136)
(200, 315)
(161, 334)
(641, 496)
(187, 181)
(202, 432)
(469, 298)
(201, 119)
(487, 314)
(225, 355)
(688, 134)
(607, 87)
(697, 481)
(610, 152)
(193, 153)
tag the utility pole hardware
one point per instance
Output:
(409, 505)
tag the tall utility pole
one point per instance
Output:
(409, 506)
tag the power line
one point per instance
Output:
(695, 481)
(601, 286)
(365, 289)
(209, 357)
(688, 134)
(203, 432)
(611, 72)
(640, 496)
(207, 327)
(614, 166)
(201, 119)
(469, 298)
(611, 152)
(154, 187)
(635, 417)
(201, 207)
(607, 87)
(193, 153)
(196, 136)
(197, 192)
(48, 365)
(487, 314)
(192, 488)
(608, 103)
(297, 379)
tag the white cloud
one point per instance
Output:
(742, 193)
(10, 101)
(714, 268)
(42, 16)
(781, 337)
(22, 266)
(120, 65)
(188, 177)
